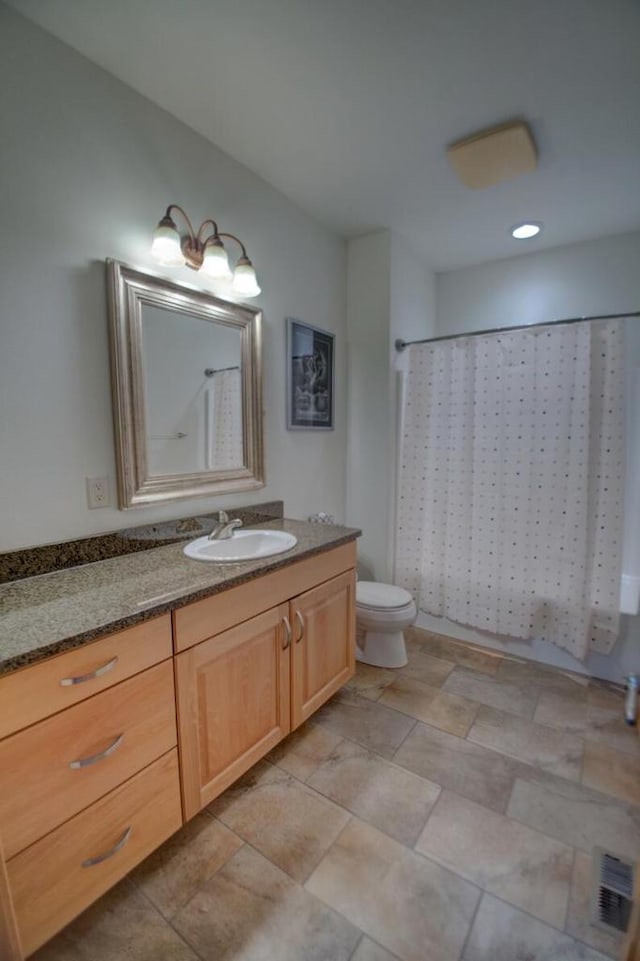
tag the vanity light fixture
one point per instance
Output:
(526, 230)
(202, 251)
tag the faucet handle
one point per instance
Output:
(223, 517)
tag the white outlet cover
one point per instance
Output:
(98, 493)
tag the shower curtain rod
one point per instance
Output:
(401, 344)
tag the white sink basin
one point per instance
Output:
(241, 546)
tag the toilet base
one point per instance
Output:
(383, 649)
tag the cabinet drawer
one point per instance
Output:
(54, 769)
(203, 619)
(60, 875)
(35, 692)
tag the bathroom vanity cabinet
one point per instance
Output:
(242, 688)
(107, 749)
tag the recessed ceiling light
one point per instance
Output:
(527, 230)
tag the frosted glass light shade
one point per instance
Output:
(166, 246)
(216, 261)
(244, 279)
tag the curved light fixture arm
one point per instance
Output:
(239, 242)
(206, 223)
(171, 207)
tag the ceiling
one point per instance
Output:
(347, 106)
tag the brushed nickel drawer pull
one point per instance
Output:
(88, 761)
(99, 858)
(287, 636)
(99, 671)
(300, 620)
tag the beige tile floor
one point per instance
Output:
(444, 811)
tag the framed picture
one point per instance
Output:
(309, 377)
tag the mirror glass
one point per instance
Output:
(192, 393)
(186, 389)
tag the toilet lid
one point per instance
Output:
(381, 596)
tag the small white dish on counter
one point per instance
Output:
(247, 545)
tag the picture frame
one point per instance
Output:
(310, 377)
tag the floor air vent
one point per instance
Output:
(612, 891)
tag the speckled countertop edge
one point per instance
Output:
(51, 613)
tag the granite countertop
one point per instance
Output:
(50, 613)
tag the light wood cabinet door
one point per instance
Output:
(233, 694)
(323, 650)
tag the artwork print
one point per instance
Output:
(309, 377)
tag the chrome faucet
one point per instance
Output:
(224, 528)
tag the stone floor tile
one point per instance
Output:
(252, 911)
(449, 712)
(519, 865)
(566, 714)
(368, 950)
(578, 920)
(514, 698)
(122, 924)
(302, 751)
(430, 670)
(468, 769)
(392, 799)
(544, 677)
(609, 727)
(577, 815)
(369, 681)
(535, 744)
(607, 696)
(371, 724)
(465, 655)
(171, 875)
(502, 933)
(611, 772)
(288, 823)
(409, 905)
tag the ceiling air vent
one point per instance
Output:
(612, 891)
(491, 156)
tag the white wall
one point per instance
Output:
(368, 384)
(602, 276)
(390, 294)
(598, 277)
(88, 167)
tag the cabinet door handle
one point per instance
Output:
(99, 671)
(287, 634)
(88, 761)
(300, 620)
(99, 858)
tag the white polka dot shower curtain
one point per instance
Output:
(511, 482)
(224, 430)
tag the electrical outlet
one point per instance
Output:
(98, 492)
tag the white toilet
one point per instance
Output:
(383, 611)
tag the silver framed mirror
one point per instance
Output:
(186, 382)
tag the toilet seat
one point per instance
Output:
(370, 595)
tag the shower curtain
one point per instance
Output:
(511, 483)
(224, 421)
